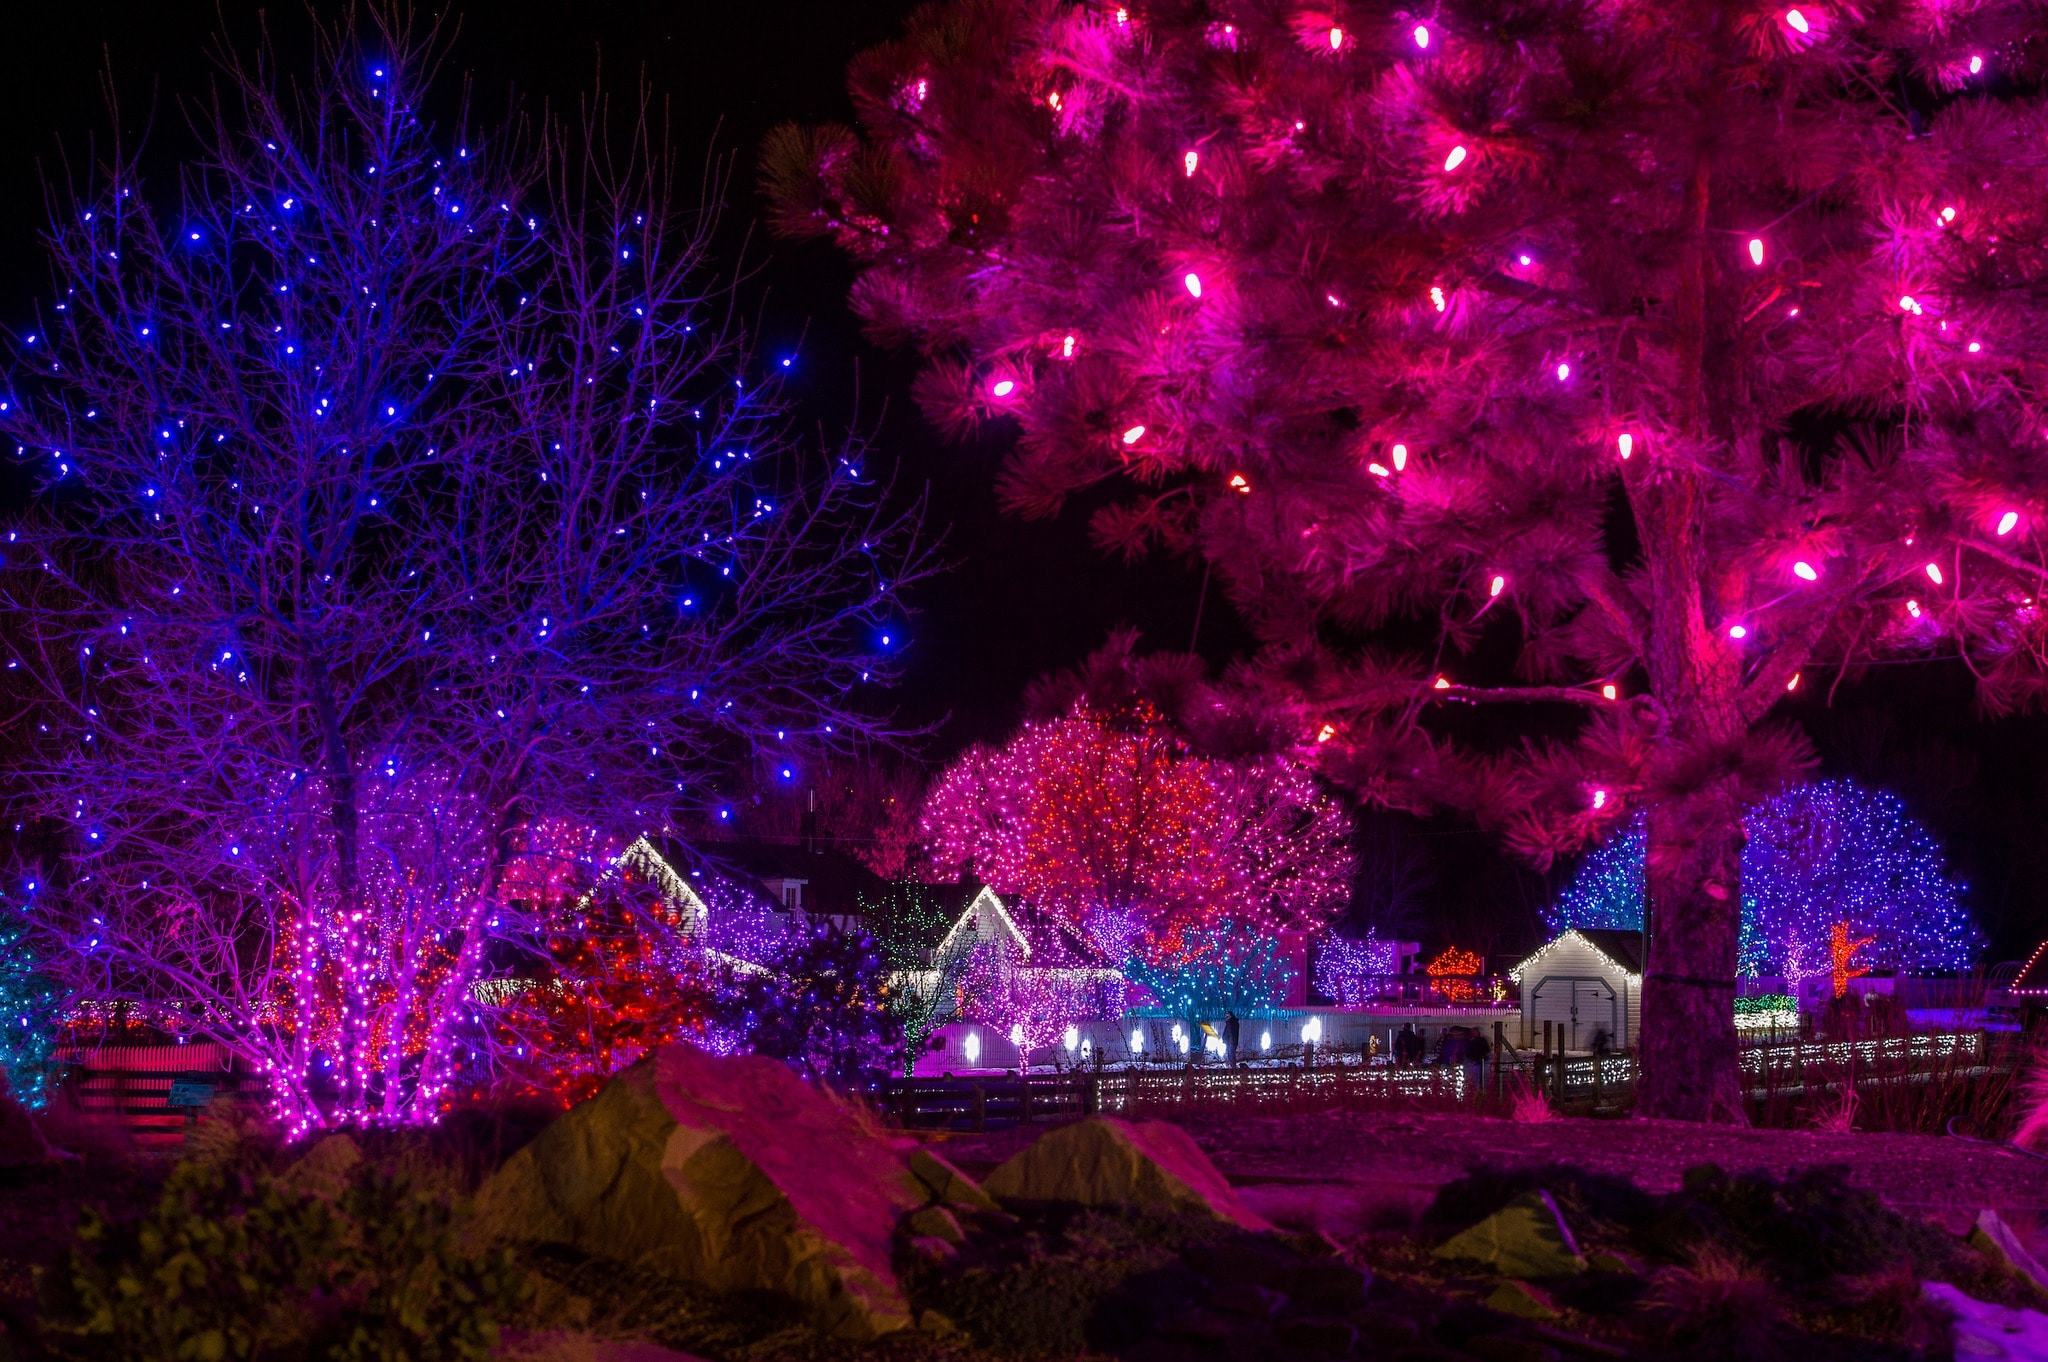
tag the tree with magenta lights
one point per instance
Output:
(402, 487)
(1514, 325)
(1136, 800)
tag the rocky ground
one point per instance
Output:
(1354, 1170)
(725, 1210)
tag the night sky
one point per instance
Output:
(1024, 597)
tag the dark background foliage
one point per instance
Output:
(1027, 597)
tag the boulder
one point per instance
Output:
(1993, 1238)
(1525, 1238)
(1978, 1329)
(21, 1140)
(947, 1185)
(1520, 1299)
(1103, 1161)
(729, 1172)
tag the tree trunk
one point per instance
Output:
(1687, 1046)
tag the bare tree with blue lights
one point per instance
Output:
(413, 514)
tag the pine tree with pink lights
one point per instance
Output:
(1685, 353)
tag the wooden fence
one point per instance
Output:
(136, 1085)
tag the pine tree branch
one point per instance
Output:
(1623, 610)
(1516, 695)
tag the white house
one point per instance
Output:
(1589, 981)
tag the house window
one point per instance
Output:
(793, 894)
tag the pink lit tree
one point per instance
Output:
(1138, 802)
(413, 525)
(1640, 363)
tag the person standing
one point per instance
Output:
(1407, 1046)
(1232, 1028)
(1477, 1053)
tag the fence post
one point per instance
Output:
(1499, 1048)
(1541, 1074)
(1560, 1065)
(980, 1107)
(1091, 1099)
(1024, 1098)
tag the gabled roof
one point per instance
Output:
(2033, 976)
(1623, 950)
(834, 882)
(986, 919)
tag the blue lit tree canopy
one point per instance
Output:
(28, 1002)
(1207, 971)
(1818, 854)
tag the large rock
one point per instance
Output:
(731, 1172)
(1992, 1237)
(1980, 1330)
(1525, 1238)
(1106, 1162)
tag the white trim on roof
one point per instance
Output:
(969, 914)
(1584, 940)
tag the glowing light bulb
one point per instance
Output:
(1948, 215)
(1190, 160)
(1913, 609)
(1436, 295)
(1379, 470)
(1123, 16)
(1422, 35)
(1793, 684)
(1599, 799)
(1797, 21)
(1326, 732)
(1976, 65)
(1441, 683)
(1736, 631)
(1499, 585)
(1336, 39)
(1054, 100)
(1564, 371)
(1072, 1039)
(1400, 457)
(1627, 443)
(1016, 1033)
(1455, 159)
(1934, 573)
(1003, 387)
(1906, 304)
(1265, 1041)
(2007, 523)
(1067, 348)
(1134, 434)
(1239, 485)
(1756, 250)
(1975, 346)
(1805, 572)
(971, 1047)
(1137, 1041)
(1608, 691)
(1194, 284)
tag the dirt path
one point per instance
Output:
(1345, 1168)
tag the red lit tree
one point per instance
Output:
(1679, 348)
(1104, 810)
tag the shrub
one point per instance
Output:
(234, 1263)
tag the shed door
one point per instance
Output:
(1581, 1004)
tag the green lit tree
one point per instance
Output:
(28, 1009)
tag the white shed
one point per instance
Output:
(1587, 981)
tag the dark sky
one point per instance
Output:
(1024, 598)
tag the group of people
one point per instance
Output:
(1456, 1045)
